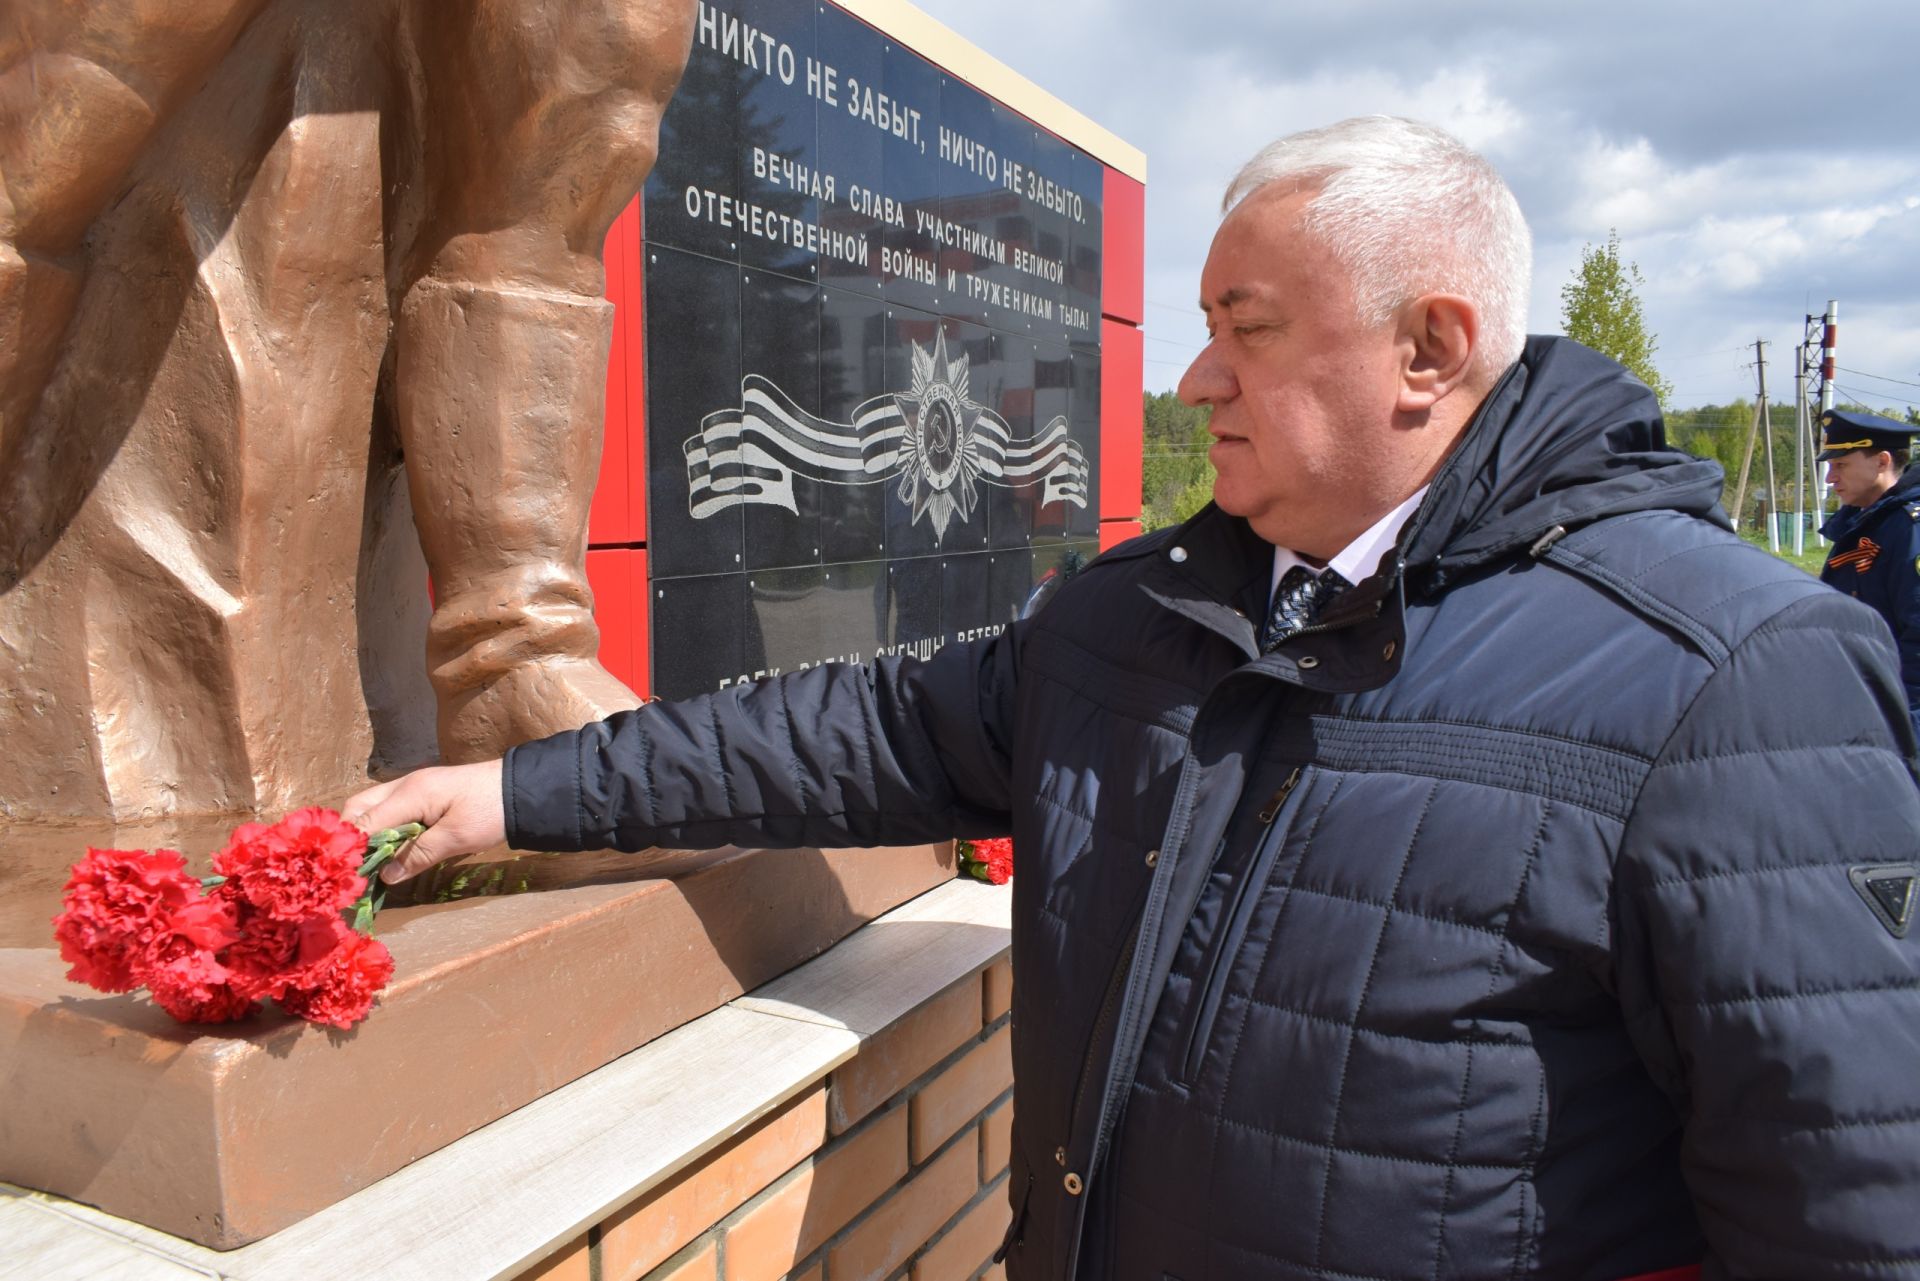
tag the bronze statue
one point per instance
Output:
(258, 260)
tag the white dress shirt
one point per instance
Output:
(1359, 558)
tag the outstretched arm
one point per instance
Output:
(842, 755)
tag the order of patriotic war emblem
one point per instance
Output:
(939, 445)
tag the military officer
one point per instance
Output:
(1876, 531)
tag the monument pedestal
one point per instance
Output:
(535, 971)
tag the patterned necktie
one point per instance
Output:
(1301, 595)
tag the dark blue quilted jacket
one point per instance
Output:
(1876, 560)
(1499, 926)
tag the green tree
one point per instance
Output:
(1600, 307)
(1176, 480)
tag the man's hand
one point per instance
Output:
(459, 804)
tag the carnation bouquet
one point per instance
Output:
(990, 860)
(286, 917)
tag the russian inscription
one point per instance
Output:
(894, 473)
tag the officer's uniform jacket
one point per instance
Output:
(1876, 560)
(1499, 925)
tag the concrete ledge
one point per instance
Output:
(227, 1135)
(504, 1197)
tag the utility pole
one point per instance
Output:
(1746, 459)
(1829, 341)
(1802, 421)
(1800, 457)
(1746, 467)
(1764, 422)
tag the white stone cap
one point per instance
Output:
(942, 46)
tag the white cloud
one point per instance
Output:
(1744, 206)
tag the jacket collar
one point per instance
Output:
(1565, 438)
(1216, 571)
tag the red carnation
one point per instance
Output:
(990, 860)
(260, 957)
(181, 968)
(260, 960)
(118, 903)
(194, 987)
(338, 988)
(271, 927)
(305, 865)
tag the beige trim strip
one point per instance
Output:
(940, 45)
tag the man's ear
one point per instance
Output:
(1439, 334)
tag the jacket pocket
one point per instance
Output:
(1232, 931)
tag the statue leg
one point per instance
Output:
(499, 394)
(83, 88)
(540, 124)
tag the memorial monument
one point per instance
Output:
(260, 259)
(304, 340)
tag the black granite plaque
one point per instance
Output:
(780, 343)
(853, 361)
(703, 623)
(872, 352)
(693, 371)
(777, 149)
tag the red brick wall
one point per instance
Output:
(894, 1165)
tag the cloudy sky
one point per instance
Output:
(1756, 159)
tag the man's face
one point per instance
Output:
(1303, 396)
(1860, 477)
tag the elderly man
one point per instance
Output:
(1478, 913)
(1876, 530)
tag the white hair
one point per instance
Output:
(1408, 209)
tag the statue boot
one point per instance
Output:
(499, 395)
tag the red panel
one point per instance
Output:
(1122, 419)
(1115, 532)
(637, 382)
(643, 624)
(1124, 260)
(610, 520)
(610, 575)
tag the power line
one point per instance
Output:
(1863, 398)
(1861, 373)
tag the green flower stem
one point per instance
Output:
(382, 846)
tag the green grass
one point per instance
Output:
(1811, 561)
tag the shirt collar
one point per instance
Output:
(1359, 558)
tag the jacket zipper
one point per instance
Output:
(1109, 1006)
(1233, 927)
(1019, 1220)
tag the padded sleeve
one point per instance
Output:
(837, 755)
(1777, 1010)
(1903, 601)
